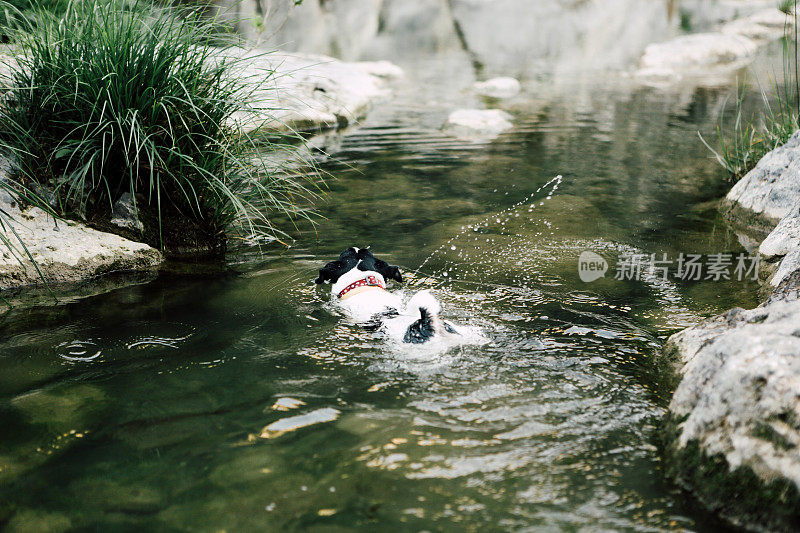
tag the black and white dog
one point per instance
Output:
(358, 285)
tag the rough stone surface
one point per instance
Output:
(766, 25)
(64, 251)
(709, 54)
(309, 92)
(733, 425)
(503, 87)
(769, 191)
(739, 401)
(478, 123)
(124, 214)
(697, 52)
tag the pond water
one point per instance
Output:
(146, 408)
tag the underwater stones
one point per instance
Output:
(37, 521)
(734, 419)
(114, 496)
(478, 122)
(293, 423)
(503, 87)
(62, 407)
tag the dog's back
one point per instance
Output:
(358, 283)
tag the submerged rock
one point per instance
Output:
(498, 87)
(38, 521)
(478, 122)
(733, 431)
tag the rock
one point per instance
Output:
(694, 54)
(37, 521)
(125, 215)
(478, 122)
(788, 265)
(733, 435)
(766, 25)
(308, 92)
(62, 407)
(498, 87)
(785, 238)
(110, 495)
(293, 423)
(769, 191)
(64, 251)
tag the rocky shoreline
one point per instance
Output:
(303, 93)
(732, 433)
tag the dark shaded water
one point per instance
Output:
(143, 409)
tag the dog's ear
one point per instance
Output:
(330, 272)
(388, 271)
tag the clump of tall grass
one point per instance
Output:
(117, 97)
(751, 137)
(16, 15)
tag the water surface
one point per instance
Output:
(146, 408)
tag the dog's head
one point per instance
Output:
(360, 258)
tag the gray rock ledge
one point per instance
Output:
(732, 433)
(65, 252)
(733, 429)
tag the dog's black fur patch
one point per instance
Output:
(350, 258)
(421, 330)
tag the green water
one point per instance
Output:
(143, 409)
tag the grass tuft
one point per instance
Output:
(116, 97)
(749, 138)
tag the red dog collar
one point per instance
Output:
(369, 281)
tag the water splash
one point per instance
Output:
(473, 241)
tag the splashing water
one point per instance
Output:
(479, 253)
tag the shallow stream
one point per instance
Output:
(146, 408)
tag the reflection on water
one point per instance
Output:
(242, 401)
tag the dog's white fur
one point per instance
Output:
(365, 306)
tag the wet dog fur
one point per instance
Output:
(378, 305)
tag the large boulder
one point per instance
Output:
(733, 430)
(766, 201)
(300, 92)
